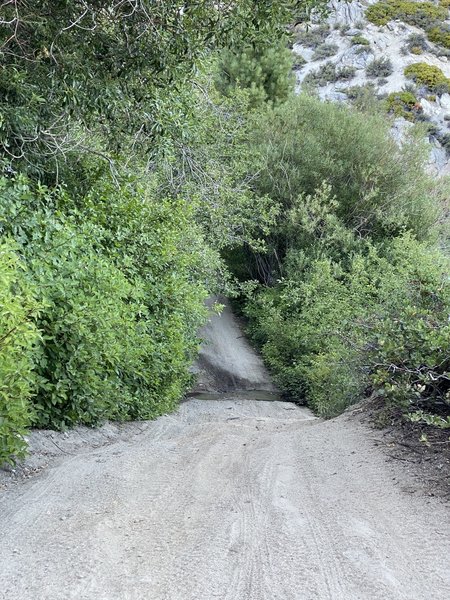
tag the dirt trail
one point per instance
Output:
(229, 499)
(226, 361)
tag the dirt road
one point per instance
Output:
(230, 499)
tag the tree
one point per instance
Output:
(76, 71)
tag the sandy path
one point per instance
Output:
(227, 361)
(230, 499)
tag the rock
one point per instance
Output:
(438, 157)
(430, 109)
(345, 12)
(445, 101)
(307, 53)
(400, 129)
(333, 95)
(353, 32)
(353, 57)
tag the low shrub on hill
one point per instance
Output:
(325, 51)
(313, 36)
(329, 73)
(403, 104)
(379, 67)
(429, 76)
(440, 35)
(421, 14)
(417, 40)
(359, 40)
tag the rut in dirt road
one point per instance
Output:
(230, 499)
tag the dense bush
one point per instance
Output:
(306, 142)
(429, 76)
(332, 333)
(409, 344)
(18, 335)
(344, 273)
(119, 309)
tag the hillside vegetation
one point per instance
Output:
(392, 53)
(148, 161)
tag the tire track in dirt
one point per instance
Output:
(232, 499)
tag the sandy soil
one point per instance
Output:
(227, 361)
(231, 499)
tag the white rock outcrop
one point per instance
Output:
(347, 19)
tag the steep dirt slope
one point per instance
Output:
(226, 361)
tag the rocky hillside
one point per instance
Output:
(398, 50)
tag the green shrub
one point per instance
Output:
(428, 75)
(265, 73)
(18, 336)
(417, 40)
(388, 330)
(421, 14)
(359, 40)
(307, 142)
(345, 73)
(324, 51)
(402, 104)
(379, 67)
(119, 307)
(329, 73)
(361, 92)
(313, 36)
(409, 343)
(439, 35)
